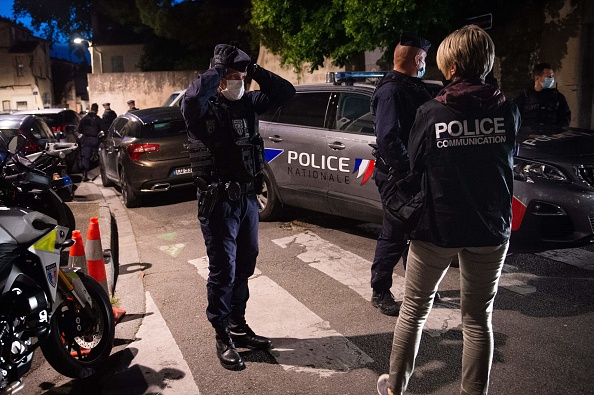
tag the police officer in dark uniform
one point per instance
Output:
(543, 107)
(108, 116)
(88, 130)
(394, 105)
(227, 153)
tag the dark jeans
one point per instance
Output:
(391, 244)
(231, 238)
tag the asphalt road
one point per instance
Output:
(311, 296)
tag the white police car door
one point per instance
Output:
(295, 147)
(352, 191)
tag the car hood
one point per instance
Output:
(569, 144)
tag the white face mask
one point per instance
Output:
(234, 90)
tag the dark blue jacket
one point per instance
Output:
(394, 105)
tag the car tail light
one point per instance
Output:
(136, 150)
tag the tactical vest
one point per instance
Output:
(231, 148)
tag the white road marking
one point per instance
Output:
(159, 358)
(516, 282)
(572, 256)
(355, 272)
(303, 342)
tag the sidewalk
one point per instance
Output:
(124, 275)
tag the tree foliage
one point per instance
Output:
(312, 30)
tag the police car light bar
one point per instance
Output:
(343, 76)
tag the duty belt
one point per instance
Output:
(233, 189)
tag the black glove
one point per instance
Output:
(224, 55)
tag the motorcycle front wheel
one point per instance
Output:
(78, 346)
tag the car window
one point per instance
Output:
(353, 114)
(131, 129)
(164, 129)
(70, 118)
(115, 130)
(40, 130)
(304, 109)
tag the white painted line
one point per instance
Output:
(572, 256)
(303, 342)
(355, 272)
(159, 358)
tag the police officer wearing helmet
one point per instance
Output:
(394, 104)
(227, 154)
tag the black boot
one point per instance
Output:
(228, 355)
(244, 336)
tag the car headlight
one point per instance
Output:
(527, 169)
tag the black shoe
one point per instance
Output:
(243, 336)
(385, 302)
(228, 355)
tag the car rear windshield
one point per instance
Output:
(164, 129)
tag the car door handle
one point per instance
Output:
(337, 145)
(275, 139)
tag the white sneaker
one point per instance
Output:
(382, 384)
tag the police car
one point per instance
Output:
(318, 149)
(319, 158)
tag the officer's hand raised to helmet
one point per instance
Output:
(224, 55)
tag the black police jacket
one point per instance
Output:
(90, 125)
(394, 104)
(229, 128)
(544, 110)
(463, 142)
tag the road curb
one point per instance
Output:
(119, 247)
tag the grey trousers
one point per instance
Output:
(480, 269)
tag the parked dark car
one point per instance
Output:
(553, 202)
(145, 152)
(64, 124)
(319, 158)
(32, 127)
(62, 121)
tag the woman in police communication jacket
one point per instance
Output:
(463, 143)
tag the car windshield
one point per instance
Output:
(164, 129)
(9, 128)
(170, 100)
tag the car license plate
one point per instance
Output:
(182, 170)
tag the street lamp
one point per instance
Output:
(91, 48)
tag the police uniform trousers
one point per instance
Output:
(231, 238)
(391, 244)
(88, 145)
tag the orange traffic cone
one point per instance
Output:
(94, 254)
(76, 256)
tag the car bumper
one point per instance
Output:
(556, 216)
(151, 177)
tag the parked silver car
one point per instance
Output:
(319, 158)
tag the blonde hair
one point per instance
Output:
(471, 49)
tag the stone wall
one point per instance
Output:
(147, 89)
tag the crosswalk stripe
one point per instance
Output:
(303, 342)
(158, 349)
(355, 272)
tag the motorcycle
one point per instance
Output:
(51, 162)
(24, 192)
(44, 303)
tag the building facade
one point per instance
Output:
(25, 69)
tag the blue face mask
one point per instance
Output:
(548, 82)
(421, 73)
